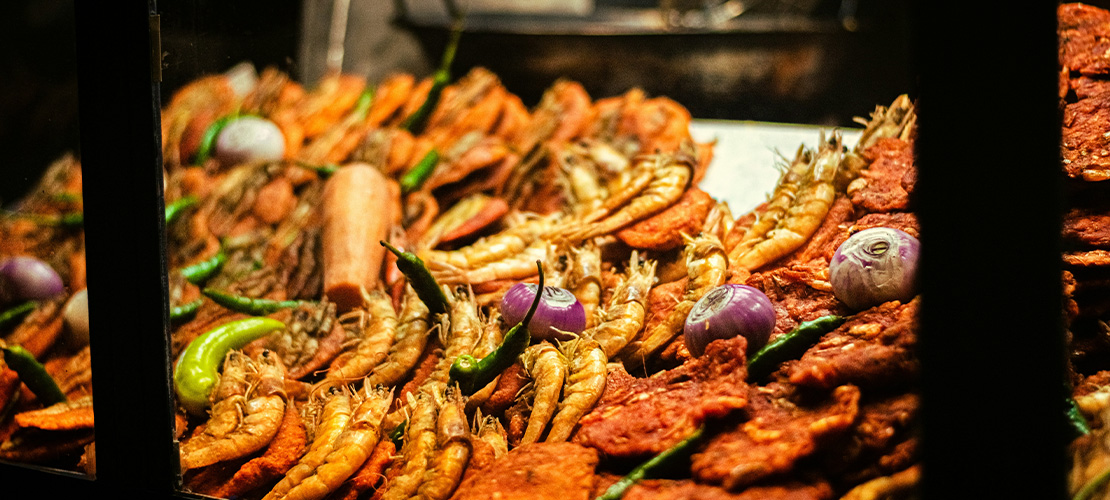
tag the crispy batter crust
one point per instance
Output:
(557, 471)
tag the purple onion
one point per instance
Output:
(558, 312)
(249, 139)
(727, 311)
(28, 278)
(873, 266)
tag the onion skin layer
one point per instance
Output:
(559, 314)
(727, 311)
(874, 266)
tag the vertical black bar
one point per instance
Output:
(992, 345)
(121, 159)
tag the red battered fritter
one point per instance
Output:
(874, 348)
(652, 414)
(876, 445)
(1086, 227)
(1086, 139)
(881, 187)
(1084, 38)
(800, 293)
(557, 471)
(690, 490)
(781, 429)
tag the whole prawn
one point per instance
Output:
(801, 220)
(332, 412)
(352, 448)
(412, 337)
(262, 413)
(584, 384)
(519, 266)
(416, 452)
(623, 316)
(669, 178)
(377, 339)
(492, 248)
(706, 268)
(584, 278)
(452, 450)
(548, 369)
(786, 190)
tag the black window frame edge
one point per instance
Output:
(990, 261)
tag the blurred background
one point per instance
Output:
(818, 62)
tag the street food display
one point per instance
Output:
(424, 287)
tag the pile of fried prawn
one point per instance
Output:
(335, 379)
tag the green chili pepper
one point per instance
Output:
(362, 106)
(472, 374)
(1088, 491)
(208, 140)
(178, 207)
(195, 373)
(68, 220)
(185, 312)
(1077, 421)
(66, 197)
(16, 313)
(321, 170)
(415, 177)
(617, 490)
(204, 270)
(398, 434)
(256, 307)
(32, 373)
(790, 345)
(415, 122)
(421, 279)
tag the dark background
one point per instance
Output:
(856, 70)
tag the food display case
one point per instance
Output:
(990, 338)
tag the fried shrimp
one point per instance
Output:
(781, 198)
(669, 179)
(377, 339)
(706, 268)
(452, 450)
(493, 433)
(353, 447)
(519, 266)
(412, 337)
(330, 422)
(548, 369)
(623, 316)
(261, 411)
(584, 384)
(416, 452)
(492, 248)
(814, 198)
(584, 279)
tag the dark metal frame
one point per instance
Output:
(991, 197)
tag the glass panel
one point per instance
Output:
(46, 416)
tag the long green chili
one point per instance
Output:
(419, 173)
(248, 305)
(398, 434)
(473, 374)
(204, 270)
(33, 374)
(67, 220)
(415, 122)
(16, 313)
(195, 373)
(208, 140)
(1076, 421)
(173, 210)
(421, 279)
(185, 312)
(790, 346)
(618, 489)
(321, 170)
(1088, 490)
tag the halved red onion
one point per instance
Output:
(558, 313)
(727, 311)
(28, 278)
(873, 266)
